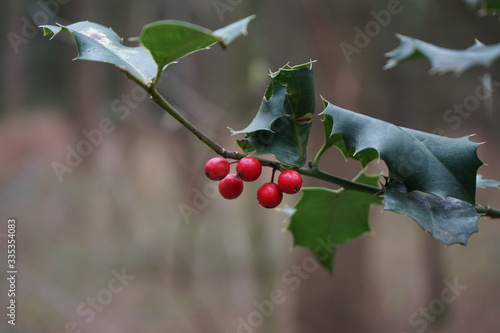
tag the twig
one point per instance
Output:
(313, 171)
(488, 211)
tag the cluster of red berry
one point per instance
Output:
(249, 169)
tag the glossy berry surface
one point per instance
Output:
(249, 168)
(269, 195)
(217, 168)
(290, 181)
(230, 187)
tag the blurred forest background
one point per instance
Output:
(120, 208)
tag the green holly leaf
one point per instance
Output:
(283, 122)
(336, 140)
(448, 219)
(443, 60)
(490, 6)
(170, 40)
(445, 167)
(324, 219)
(163, 43)
(95, 42)
(486, 183)
(435, 175)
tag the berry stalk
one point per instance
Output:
(313, 171)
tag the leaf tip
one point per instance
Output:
(325, 103)
(391, 63)
(230, 32)
(477, 43)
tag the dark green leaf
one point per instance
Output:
(486, 183)
(324, 219)
(98, 43)
(448, 219)
(490, 6)
(443, 60)
(422, 161)
(270, 110)
(283, 122)
(171, 40)
(336, 140)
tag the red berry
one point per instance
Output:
(290, 181)
(248, 168)
(231, 187)
(269, 195)
(217, 168)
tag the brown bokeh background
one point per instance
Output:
(120, 208)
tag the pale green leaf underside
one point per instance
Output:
(283, 122)
(448, 219)
(422, 161)
(324, 219)
(443, 60)
(163, 43)
(95, 42)
(486, 183)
